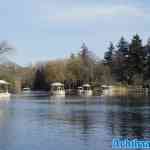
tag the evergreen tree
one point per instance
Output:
(136, 58)
(108, 56)
(147, 68)
(84, 53)
(147, 60)
(40, 80)
(87, 63)
(121, 57)
(123, 47)
(147, 48)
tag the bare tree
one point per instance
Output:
(5, 47)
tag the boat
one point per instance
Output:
(85, 90)
(80, 90)
(107, 90)
(26, 90)
(57, 89)
(4, 89)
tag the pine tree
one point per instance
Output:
(40, 80)
(147, 60)
(108, 56)
(123, 47)
(121, 56)
(88, 60)
(136, 58)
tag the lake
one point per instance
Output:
(43, 123)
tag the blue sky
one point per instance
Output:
(50, 29)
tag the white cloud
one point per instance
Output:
(74, 14)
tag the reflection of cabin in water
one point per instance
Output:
(57, 89)
(4, 89)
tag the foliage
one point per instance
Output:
(55, 71)
(120, 60)
(39, 82)
(130, 62)
(125, 63)
(108, 56)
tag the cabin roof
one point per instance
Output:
(79, 87)
(3, 82)
(86, 85)
(26, 88)
(57, 84)
(104, 85)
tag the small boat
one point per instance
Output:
(107, 90)
(26, 90)
(57, 89)
(85, 90)
(4, 89)
(80, 90)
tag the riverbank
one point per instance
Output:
(124, 90)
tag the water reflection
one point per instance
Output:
(71, 123)
(130, 118)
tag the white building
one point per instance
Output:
(4, 89)
(85, 90)
(57, 89)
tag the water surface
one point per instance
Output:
(43, 123)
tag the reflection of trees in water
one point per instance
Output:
(6, 128)
(130, 119)
(82, 119)
(127, 124)
(79, 118)
(83, 122)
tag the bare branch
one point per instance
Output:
(5, 47)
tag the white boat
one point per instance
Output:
(26, 90)
(4, 95)
(57, 89)
(80, 90)
(4, 89)
(107, 90)
(85, 90)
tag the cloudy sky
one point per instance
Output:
(49, 29)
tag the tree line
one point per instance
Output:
(129, 61)
(83, 67)
(126, 63)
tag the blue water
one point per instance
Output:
(43, 123)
